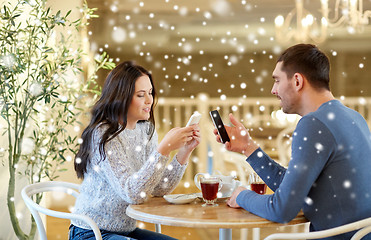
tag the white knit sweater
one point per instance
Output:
(132, 171)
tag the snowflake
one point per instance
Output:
(210, 154)
(36, 89)
(347, 184)
(221, 7)
(319, 146)
(260, 154)
(43, 151)
(331, 116)
(28, 145)
(96, 168)
(19, 215)
(8, 61)
(308, 201)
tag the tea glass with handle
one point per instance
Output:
(257, 184)
(229, 183)
(209, 187)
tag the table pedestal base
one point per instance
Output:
(225, 234)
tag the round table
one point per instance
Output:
(158, 211)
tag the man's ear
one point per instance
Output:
(298, 81)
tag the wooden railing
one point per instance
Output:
(254, 112)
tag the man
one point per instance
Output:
(329, 172)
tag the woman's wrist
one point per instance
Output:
(163, 150)
(182, 156)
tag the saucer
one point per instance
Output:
(222, 199)
(180, 198)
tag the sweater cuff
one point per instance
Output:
(256, 157)
(161, 158)
(176, 164)
(243, 197)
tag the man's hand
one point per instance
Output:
(240, 140)
(232, 200)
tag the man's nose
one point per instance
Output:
(274, 91)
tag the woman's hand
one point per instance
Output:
(187, 137)
(186, 150)
(240, 140)
(196, 139)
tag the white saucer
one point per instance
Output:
(180, 198)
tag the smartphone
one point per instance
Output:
(219, 125)
(194, 119)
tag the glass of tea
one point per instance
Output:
(257, 184)
(210, 187)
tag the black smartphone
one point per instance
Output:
(219, 125)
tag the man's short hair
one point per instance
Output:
(308, 60)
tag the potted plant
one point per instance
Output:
(41, 96)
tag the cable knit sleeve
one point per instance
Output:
(312, 146)
(133, 167)
(172, 173)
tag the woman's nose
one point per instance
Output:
(149, 99)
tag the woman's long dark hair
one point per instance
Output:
(111, 108)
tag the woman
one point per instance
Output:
(120, 160)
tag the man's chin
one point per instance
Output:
(284, 109)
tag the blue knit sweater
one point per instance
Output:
(328, 176)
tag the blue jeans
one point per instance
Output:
(77, 233)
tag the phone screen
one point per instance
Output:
(219, 125)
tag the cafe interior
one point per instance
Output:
(220, 54)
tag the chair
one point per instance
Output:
(69, 188)
(363, 227)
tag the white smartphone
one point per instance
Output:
(194, 119)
